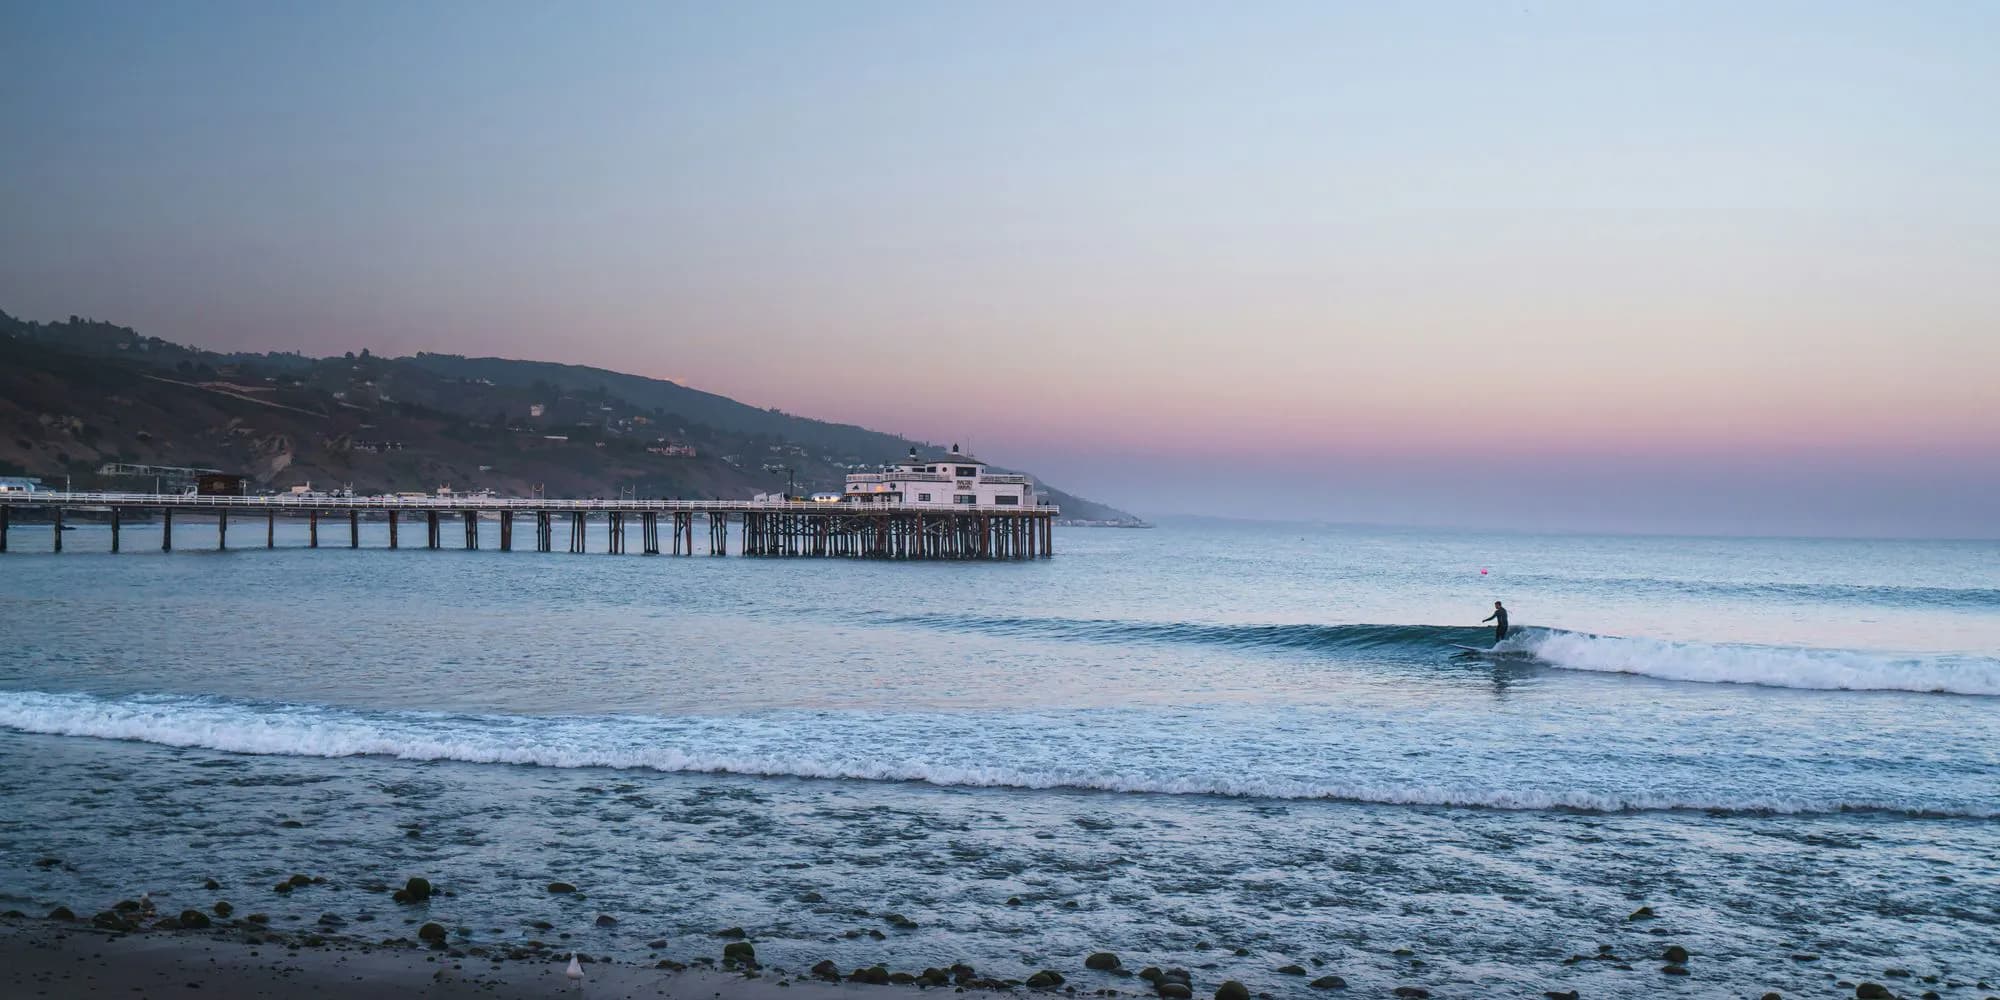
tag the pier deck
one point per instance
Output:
(766, 528)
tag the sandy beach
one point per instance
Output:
(56, 959)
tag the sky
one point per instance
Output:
(1702, 267)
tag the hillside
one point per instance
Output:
(80, 393)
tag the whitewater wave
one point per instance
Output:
(636, 743)
(1770, 666)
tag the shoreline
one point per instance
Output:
(116, 952)
(119, 952)
(55, 958)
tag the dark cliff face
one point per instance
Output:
(75, 395)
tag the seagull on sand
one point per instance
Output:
(575, 970)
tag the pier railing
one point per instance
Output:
(49, 498)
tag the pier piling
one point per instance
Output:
(767, 528)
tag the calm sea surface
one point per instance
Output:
(1172, 744)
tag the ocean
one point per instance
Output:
(1229, 747)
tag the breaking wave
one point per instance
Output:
(1715, 663)
(640, 743)
(1770, 666)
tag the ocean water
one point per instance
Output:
(1174, 744)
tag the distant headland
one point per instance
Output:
(82, 397)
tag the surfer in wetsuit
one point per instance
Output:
(1499, 620)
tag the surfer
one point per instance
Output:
(1499, 620)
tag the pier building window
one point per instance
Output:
(967, 470)
(923, 498)
(965, 498)
(1007, 501)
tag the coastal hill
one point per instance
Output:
(77, 394)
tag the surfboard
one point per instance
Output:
(1473, 649)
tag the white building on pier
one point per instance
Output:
(951, 480)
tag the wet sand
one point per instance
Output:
(53, 959)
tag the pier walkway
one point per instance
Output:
(767, 528)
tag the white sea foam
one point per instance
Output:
(1773, 666)
(636, 743)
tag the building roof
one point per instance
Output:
(953, 456)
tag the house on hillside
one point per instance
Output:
(954, 479)
(221, 484)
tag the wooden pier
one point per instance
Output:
(765, 528)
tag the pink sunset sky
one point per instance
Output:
(1584, 266)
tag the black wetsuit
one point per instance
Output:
(1499, 620)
